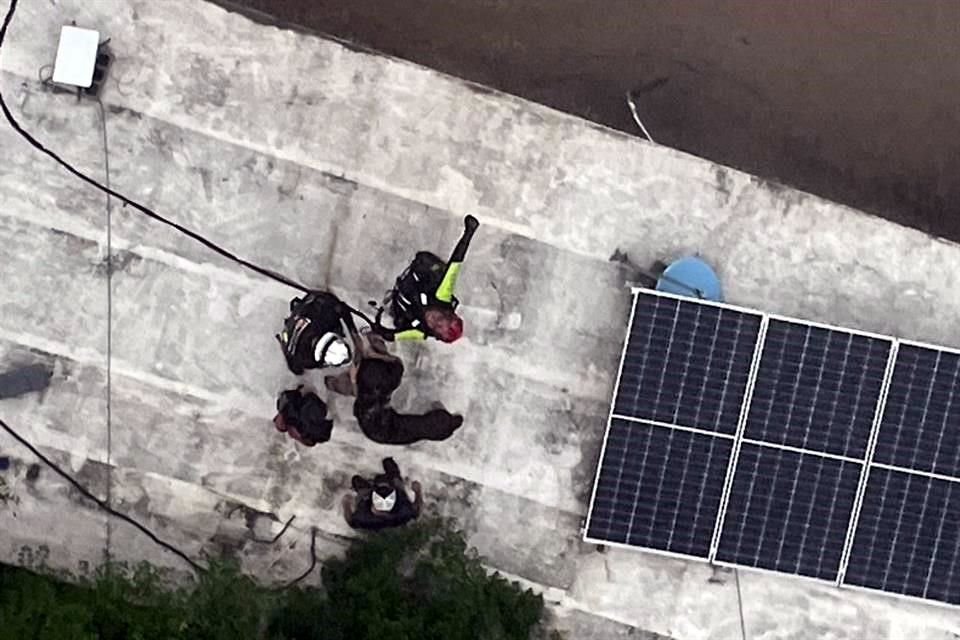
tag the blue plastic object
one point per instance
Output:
(691, 277)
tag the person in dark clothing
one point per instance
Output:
(372, 380)
(376, 381)
(314, 335)
(383, 502)
(422, 303)
(303, 417)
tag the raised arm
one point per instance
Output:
(444, 292)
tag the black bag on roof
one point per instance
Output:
(306, 413)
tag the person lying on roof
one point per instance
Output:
(373, 378)
(422, 304)
(314, 335)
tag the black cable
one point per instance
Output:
(106, 189)
(100, 503)
(276, 537)
(267, 273)
(109, 211)
(254, 538)
(743, 622)
(147, 532)
(313, 563)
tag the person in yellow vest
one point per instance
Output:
(422, 304)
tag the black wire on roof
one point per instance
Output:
(100, 503)
(290, 282)
(141, 208)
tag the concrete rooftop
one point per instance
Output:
(334, 166)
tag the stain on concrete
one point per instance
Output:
(482, 89)
(33, 558)
(33, 472)
(787, 197)
(453, 497)
(119, 261)
(225, 545)
(67, 243)
(94, 477)
(208, 84)
(283, 477)
(206, 181)
(722, 177)
(346, 185)
(27, 378)
(591, 431)
(254, 520)
(333, 486)
(118, 110)
(8, 497)
(291, 180)
(159, 138)
(555, 441)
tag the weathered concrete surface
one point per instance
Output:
(333, 166)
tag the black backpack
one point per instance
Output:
(305, 412)
(310, 316)
(416, 289)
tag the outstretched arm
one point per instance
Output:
(444, 292)
(392, 335)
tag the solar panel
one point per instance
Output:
(765, 442)
(920, 428)
(659, 487)
(908, 536)
(817, 388)
(686, 363)
(788, 511)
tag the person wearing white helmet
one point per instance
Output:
(383, 502)
(315, 334)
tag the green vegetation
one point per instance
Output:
(417, 583)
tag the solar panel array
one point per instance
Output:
(752, 440)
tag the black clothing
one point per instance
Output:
(381, 423)
(303, 416)
(311, 317)
(377, 379)
(390, 477)
(415, 291)
(364, 518)
(403, 510)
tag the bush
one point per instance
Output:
(415, 583)
(122, 604)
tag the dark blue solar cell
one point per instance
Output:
(686, 363)
(908, 536)
(659, 488)
(817, 388)
(788, 512)
(920, 428)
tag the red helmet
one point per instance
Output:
(453, 330)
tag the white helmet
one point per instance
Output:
(384, 503)
(331, 350)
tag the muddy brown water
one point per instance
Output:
(856, 101)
